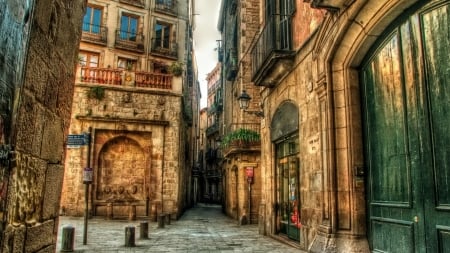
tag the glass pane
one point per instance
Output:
(158, 35)
(166, 36)
(123, 27)
(96, 21)
(87, 19)
(93, 61)
(132, 29)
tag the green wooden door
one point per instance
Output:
(406, 107)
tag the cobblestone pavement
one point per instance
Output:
(200, 229)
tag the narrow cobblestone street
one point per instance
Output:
(201, 229)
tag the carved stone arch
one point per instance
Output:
(285, 121)
(122, 170)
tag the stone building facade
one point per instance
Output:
(354, 115)
(38, 54)
(213, 156)
(135, 96)
(240, 139)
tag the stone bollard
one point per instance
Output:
(143, 229)
(167, 219)
(161, 218)
(129, 236)
(67, 238)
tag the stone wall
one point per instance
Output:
(39, 51)
(151, 119)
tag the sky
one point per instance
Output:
(205, 36)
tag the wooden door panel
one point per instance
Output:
(435, 24)
(390, 176)
(392, 235)
(387, 148)
(406, 94)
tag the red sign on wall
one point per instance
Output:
(249, 172)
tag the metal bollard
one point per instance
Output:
(67, 238)
(129, 236)
(167, 221)
(143, 230)
(161, 218)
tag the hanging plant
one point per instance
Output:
(241, 136)
(176, 68)
(96, 92)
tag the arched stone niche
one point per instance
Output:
(284, 121)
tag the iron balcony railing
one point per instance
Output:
(130, 41)
(276, 36)
(119, 77)
(214, 128)
(165, 48)
(94, 33)
(138, 3)
(166, 6)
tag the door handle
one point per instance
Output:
(416, 219)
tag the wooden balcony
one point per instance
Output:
(119, 77)
(273, 54)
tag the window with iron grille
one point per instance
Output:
(128, 27)
(162, 35)
(92, 19)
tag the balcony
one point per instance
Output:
(119, 77)
(241, 138)
(130, 41)
(273, 54)
(231, 64)
(213, 173)
(138, 3)
(214, 128)
(94, 33)
(331, 5)
(166, 6)
(215, 108)
(164, 48)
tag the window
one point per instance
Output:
(92, 19)
(162, 39)
(124, 63)
(88, 59)
(164, 2)
(128, 27)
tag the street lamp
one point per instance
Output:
(244, 100)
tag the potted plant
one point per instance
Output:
(176, 68)
(241, 137)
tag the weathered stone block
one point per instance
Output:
(14, 239)
(52, 142)
(39, 237)
(52, 191)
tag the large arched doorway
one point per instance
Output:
(406, 111)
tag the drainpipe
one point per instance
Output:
(162, 168)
